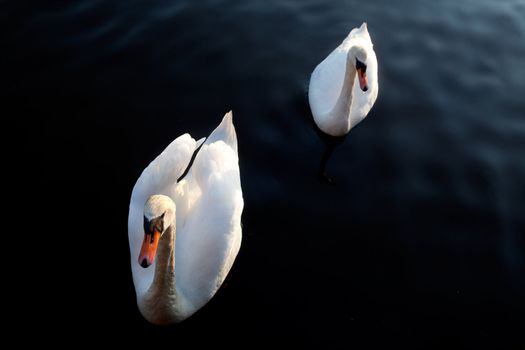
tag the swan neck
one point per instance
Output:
(164, 277)
(161, 304)
(343, 105)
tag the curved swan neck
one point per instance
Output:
(164, 277)
(343, 105)
(160, 303)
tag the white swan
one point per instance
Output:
(190, 231)
(337, 102)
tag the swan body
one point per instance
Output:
(344, 86)
(185, 235)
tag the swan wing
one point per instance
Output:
(326, 81)
(159, 177)
(210, 238)
(360, 32)
(225, 132)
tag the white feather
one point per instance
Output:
(326, 83)
(209, 205)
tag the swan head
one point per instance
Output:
(159, 214)
(359, 57)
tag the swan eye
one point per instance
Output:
(152, 225)
(360, 65)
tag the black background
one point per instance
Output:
(419, 243)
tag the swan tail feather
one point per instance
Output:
(225, 132)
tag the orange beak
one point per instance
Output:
(149, 248)
(363, 81)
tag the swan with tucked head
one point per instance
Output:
(344, 86)
(188, 230)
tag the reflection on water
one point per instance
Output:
(330, 144)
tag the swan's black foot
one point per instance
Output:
(325, 178)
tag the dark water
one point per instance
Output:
(420, 243)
